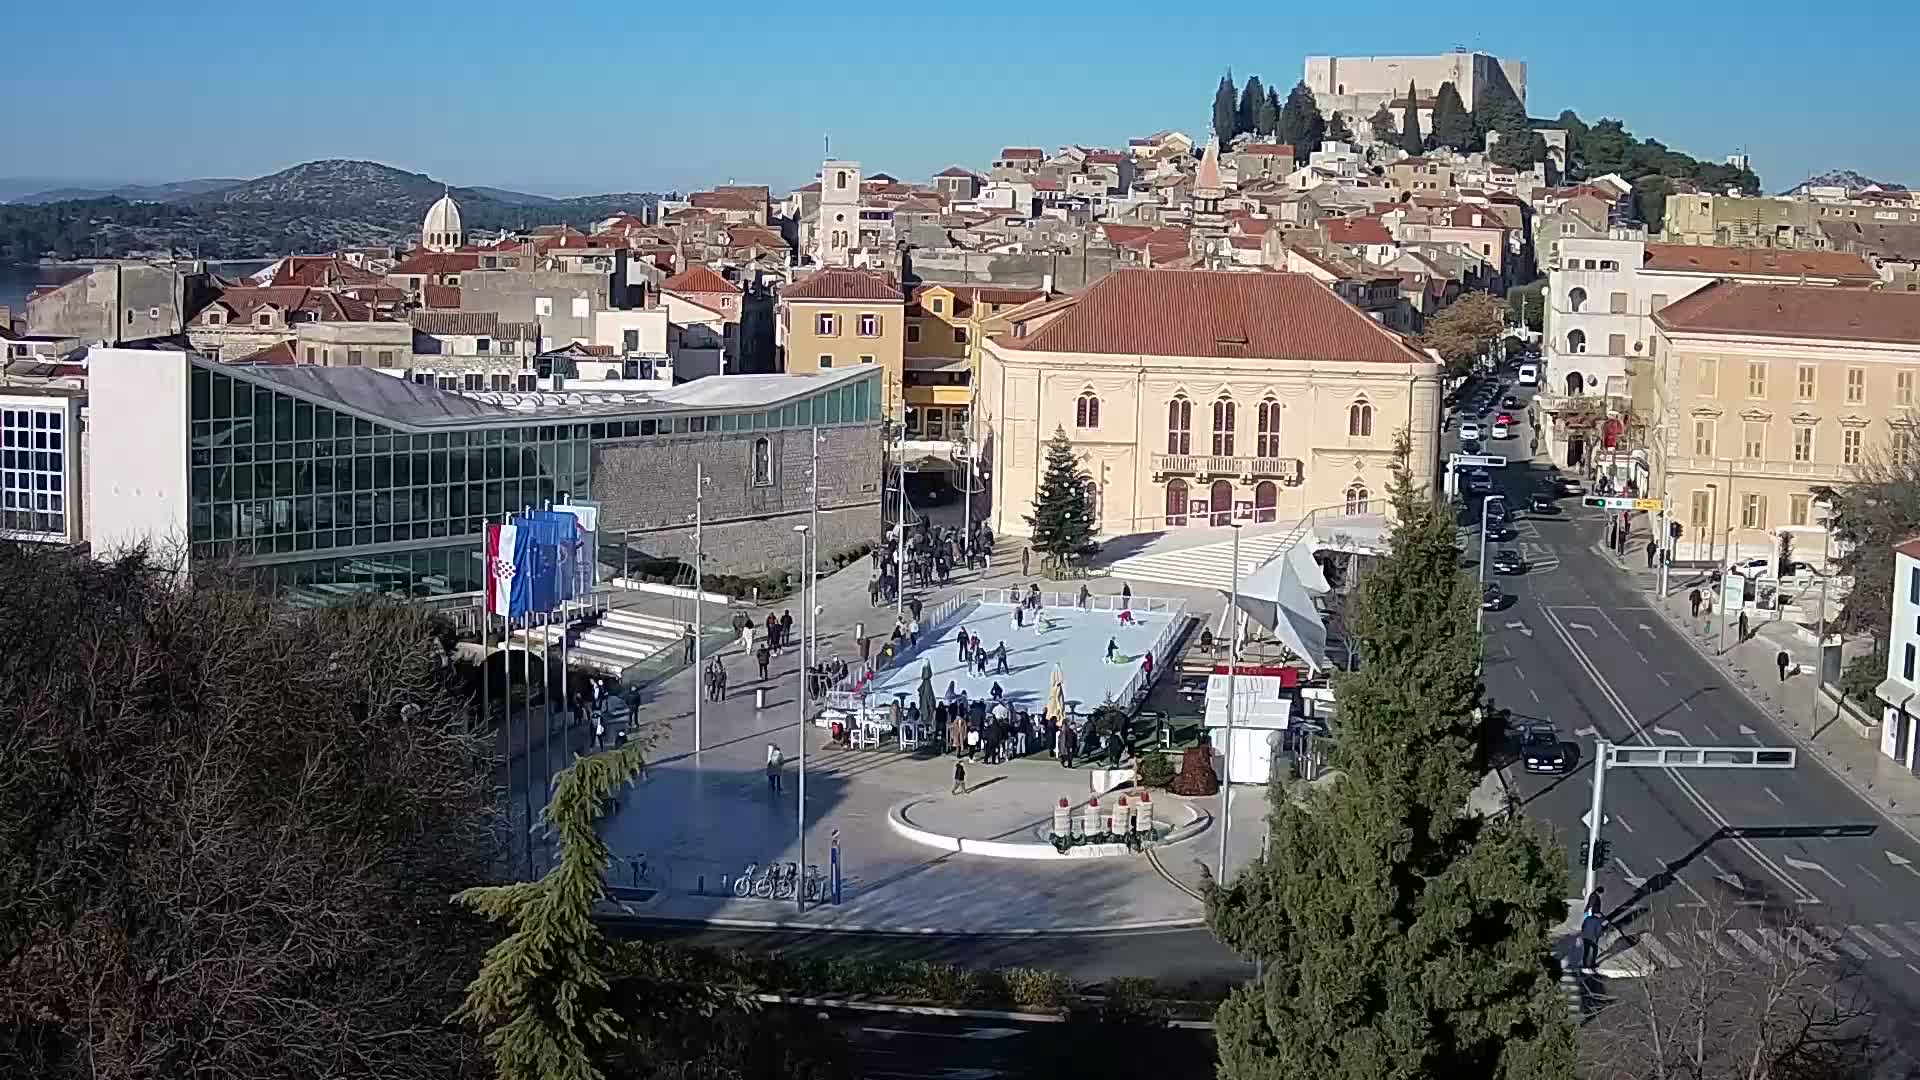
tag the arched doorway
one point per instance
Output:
(1575, 384)
(1177, 502)
(1266, 499)
(1576, 451)
(1220, 503)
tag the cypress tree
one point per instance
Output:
(1301, 125)
(1224, 114)
(1452, 124)
(1410, 138)
(1062, 518)
(1402, 938)
(1269, 116)
(1246, 116)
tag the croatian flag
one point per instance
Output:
(511, 570)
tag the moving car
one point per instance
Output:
(1470, 446)
(1508, 561)
(1469, 430)
(1543, 751)
(1505, 417)
(1542, 504)
(1479, 480)
(1510, 402)
(1501, 430)
(1568, 485)
(1491, 597)
(1529, 375)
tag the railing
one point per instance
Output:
(1289, 469)
(463, 609)
(1743, 467)
(1150, 605)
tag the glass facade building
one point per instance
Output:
(34, 467)
(324, 494)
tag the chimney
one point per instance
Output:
(1046, 284)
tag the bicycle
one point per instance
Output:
(784, 882)
(743, 884)
(814, 885)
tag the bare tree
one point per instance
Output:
(1724, 999)
(229, 832)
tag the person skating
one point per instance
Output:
(959, 778)
(1000, 660)
(964, 651)
(1113, 649)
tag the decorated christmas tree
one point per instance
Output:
(1062, 518)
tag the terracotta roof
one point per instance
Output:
(1732, 260)
(1021, 153)
(1358, 230)
(956, 170)
(698, 278)
(324, 305)
(1245, 243)
(1267, 150)
(1797, 311)
(966, 296)
(839, 284)
(321, 271)
(474, 323)
(442, 297)
(429, 263)
(1125, 235)
(1217, 314)
(1043, 184)
(1909, 547)
(279, 354)
(1253, 226)
(726, 200)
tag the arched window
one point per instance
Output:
(1268, 441)
(1575, 384)
(1177, 502)
(1179, 426)
(1576, 298)
(1266, 501)
(1357, 496)
(1086, 410)
(1360, 418)
(1220, 503)
(1576, 341)
(762, 463)
(1223, 427)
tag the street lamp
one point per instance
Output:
(1233, 678)
(699, 559)
(1480, 612)
(807, 557)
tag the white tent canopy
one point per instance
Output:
(1279, 596)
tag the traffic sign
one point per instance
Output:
(1496, 461)
(1616, 502)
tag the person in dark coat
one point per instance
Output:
(1693, 601)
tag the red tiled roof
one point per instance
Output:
(322, 304)
(1909, 547)
(430, 263)
(1217, 314)
(1021, 153)
(1358, 230)
(955, 170)
(699, 278)
(321, 271)
(443, 297)
(726, 200)
(1245, 243)
(1253, 226)
(1105, 157)
(1797, 311)
(1732, 260)
(278, 354)
(1047, 185)
(840, 284)
(1267, 150)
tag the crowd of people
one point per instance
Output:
(932, 553)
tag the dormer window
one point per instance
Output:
(214, 318)
(265, 318)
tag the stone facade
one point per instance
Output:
(646, 491)
(120, 302)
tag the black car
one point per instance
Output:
(1491, 597)
(1508, 561)
(1510, 402)
(1500, 532)
(1543, 751)
(1542, 504)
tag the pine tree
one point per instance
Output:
(1246, 116)
(1497, 109)
(1410, 138)
(1062, 518)
(1267, 116)
(1337, 129)
(1224, 114)
(1452, 124)
(1401, 937)
(1384, 129)
(1301, 125)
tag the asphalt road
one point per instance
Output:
(1579, 645)
(915, 1047)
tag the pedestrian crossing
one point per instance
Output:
(1648, 952)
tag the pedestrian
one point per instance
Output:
(1743, 628)
(775, 759)
(873, 591)
(599, 734)
(1693, 602)
(1000, 660)
(689, 643)
(960, 772)
(913, 608)
(1784, 662)
(762, 655)
(1653, 550)
(1590, 929)
(773, 633)
(1026, 561)
(1019, 617)
(963, 646)
(786, 628)
(1033, 595)
(979, 659)
(1126, 596)
(913, 631)
(866, 648)
(1146, 665)
(1593, 900)
(1085, 595)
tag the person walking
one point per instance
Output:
(1783, 661)
(773, 633)
(1026, 561)
(913, 630)
(689, 643)
(761, 656)
(1591, 927)
(786, 629)
(1693, 602)
(979, 659)
(1000, 660)
(873, 591)
(1085, 595)
(1653, 551)
(1019, 617)
(913, 608)
(1594, 901)
(1743, 629)
(963, 646)
(1126, 596)
(775, 759)
(599, 734)
(959, 777)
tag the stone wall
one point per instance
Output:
(645, 490)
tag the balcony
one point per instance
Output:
(1770, 469)
(1248, 469)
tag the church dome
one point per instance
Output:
(441, 231)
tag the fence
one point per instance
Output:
(1146, 605)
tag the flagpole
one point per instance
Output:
(699, 655)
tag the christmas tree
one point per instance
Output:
(1062, 518)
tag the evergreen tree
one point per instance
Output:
(1410, 138)
(1269, 116)
(1401, 937)
(1246, 116)
(1301, 125)
(1452, 124)
(1497, 109)
(1514, 147)
(1225, 118)
(1337, 129)
(1384, 129)
(1062, 518)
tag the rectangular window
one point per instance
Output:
(866, 358)
(356, 358)
(543, 305)
(959, 335)
(1913, 585)
(483, 346)
(386, 357)
(1756, 378)
(1709, 382)
(913, 335)
(1906, 663)
(630, 341)
(1753, 512)
(1701, 509)
(825, 325)
(1617, 304)
(1616, 344)
(1799, 508)
(1803, 443)
(826, 361)
(475, 381)
(1856, 385)
(1804, 383)
(1850, 446)
(1903, 387)
(309, 354)
(1703, 438)
(869, 325)
(1659, 301)
(1755, 441)
(582, 307)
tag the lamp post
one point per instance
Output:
(1480, 613)
(807, 557)
(1233, 678)
(699, 656)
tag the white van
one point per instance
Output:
(1529, 375)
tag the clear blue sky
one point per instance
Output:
(586, 96)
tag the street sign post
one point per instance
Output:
(1491, 461)
(1616, 502)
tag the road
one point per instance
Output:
(891, 1046)
(1578, 644)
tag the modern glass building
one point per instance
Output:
(328, 482)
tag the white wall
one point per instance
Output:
(137, 448)
(1905, 635)
(609, 328)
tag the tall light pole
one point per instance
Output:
(808, 559)
(900, 551)
(699, 496)
(811, 654)
(1233, 679)
(1480, 616)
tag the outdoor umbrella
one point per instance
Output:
(927, 702)
(1057, 699)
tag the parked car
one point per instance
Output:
(1491, 597)
(1508, 561)
(1568, 485)
(1510, 402)
(1542, 750)
(1542, 504)
(1469, 430)
(1501, 430)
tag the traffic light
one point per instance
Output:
(1602, 856)
(1595, 502)
(1586, 853)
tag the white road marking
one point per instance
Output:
(1664, 681)
(1711, 737)
(1583, 626)
(1904, 863)
(1772, 796)
(1536, 697)
(1869, 873)
(1747, 943)
(1814, 867)
(1780, 946)
(1747, 731)
(1659, 951)
(1835, 937)
(1520, 671)
(1620, 821)
(1589, 732)
(1667, 733)
(1713, 939)
(1900, 937)
(1626, 871)
(1813, 944)
(1641, 655)
(1874, 943)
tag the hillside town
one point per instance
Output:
(1237, 350)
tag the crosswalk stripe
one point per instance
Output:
(1749, 944)
(1878, 946)
(1815, 945)
(1659, 951)
(1713, 939)
(1912, 927)
(1900, 937)
(1834, 937)
(1780, 946)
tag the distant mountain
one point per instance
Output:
(166, 193)
(1842, 178)
(514, 198)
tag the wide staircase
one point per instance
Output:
(1206, 565)
(616, 642)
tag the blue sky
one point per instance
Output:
(576, 96)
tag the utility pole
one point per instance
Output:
(900, 550)
(699, 656)
(1233, 678)
(806, 616)
(1480, 616)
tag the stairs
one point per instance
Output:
(1206, 566)
(616, 642)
